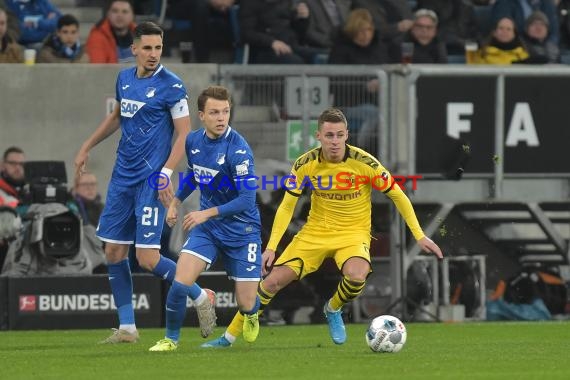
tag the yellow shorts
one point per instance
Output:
(307, 251)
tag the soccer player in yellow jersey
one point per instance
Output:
(341, 178)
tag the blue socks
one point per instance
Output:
(122, 288)
(176, 309)
(165, 269)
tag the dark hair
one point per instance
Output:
(12, 149)
(332, 115)
(215, 92)
(66, 20)
(111, 2)
(108, 6)
(147, 28)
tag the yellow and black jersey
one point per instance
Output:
(340, 195)
(340, 192)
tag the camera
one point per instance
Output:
(46, 182)
(54, 226)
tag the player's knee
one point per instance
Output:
(114, 253)
(356, 274)
(273, 285)
(146, 261)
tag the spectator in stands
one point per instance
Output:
(540, 49)
(274, 30)
(12, 181)
(393, 18)
(38, 18)
(13, 24)
(12, 177)
(10, 50)
(326, 19)
(503, 46)
(360, 44)
(64, 46)
(87, 198)
(564, 22)
(428, 48)
(457, 22)
(111, 38)
(211, 27)
(519, 10)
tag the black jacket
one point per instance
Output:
(264, 21)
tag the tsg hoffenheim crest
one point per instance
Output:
(221, 158)
(150, 92)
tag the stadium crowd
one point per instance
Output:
(299, 32)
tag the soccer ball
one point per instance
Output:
(386, 334)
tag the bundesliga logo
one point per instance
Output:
(27, 303)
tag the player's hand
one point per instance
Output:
(165, 192)
(267, 259)
(80, 162)
(172, 214)
(429, 246)
(194, 218)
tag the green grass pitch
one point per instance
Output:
(509, 350)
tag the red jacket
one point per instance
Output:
(8, 195)
(101, 44)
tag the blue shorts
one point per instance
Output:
(241, 262)
(132, 214)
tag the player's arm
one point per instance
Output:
(244, 201)
(181, 119)
(186, 186)
(282, 219)
(182, 128)
(107, 127)
(406, 210)
(246, 187)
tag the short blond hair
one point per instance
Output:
(358, 19)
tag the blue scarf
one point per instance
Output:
(64, 50)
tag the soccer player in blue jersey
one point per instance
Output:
(151, 105)
(221, 165)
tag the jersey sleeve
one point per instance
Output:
(282, 220)
(175, 93)
(382, 180)
(405, 208)
(188, 183)
(294, 181)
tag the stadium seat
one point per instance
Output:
(456, 59)
(565, 57)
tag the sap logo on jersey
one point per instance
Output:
(130, 107)
(204, 175)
